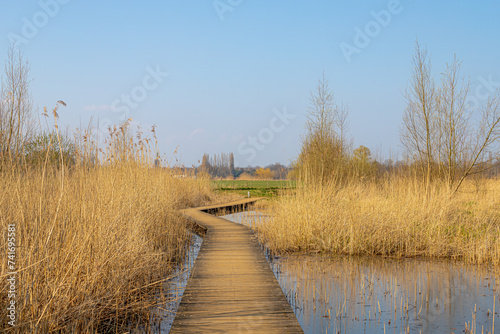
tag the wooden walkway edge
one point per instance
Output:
(232, 288)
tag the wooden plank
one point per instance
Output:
(232, 288)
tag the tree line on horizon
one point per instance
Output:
(445, 138)
(222, 166)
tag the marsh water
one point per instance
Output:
(367, 295)
(176, 286)
(345, 294)
(342, 294)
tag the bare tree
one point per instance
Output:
(219, 165)
(453, 117)
(16, 121)
(324, 147)
(419, 127)
(321, 113)
(363, 163)
(231, 163)
(486, 138)
(342, 124)
(205, 163)
(438, 133)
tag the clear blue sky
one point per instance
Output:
(233, 65)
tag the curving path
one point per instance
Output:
(232, 288)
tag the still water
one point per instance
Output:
(341, 294)
(175, 288)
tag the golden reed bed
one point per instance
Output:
(392, 217)
(93, 246)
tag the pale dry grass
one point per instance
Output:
(392, 218)
(93, 246)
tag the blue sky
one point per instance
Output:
(239, 71)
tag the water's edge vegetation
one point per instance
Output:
(94, 245)
(392, 217)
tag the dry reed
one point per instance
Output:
(95, 243)
(395, 217)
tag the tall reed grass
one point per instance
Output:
(95, 243)
(393, 217)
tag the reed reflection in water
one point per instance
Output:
(365, 295)
(342, 294)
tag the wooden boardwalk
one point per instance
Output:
(232, 288)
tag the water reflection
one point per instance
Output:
(366, 295)
(176, 286)
(340, 294)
